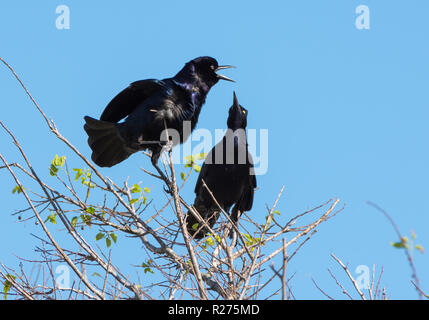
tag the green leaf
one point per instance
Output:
(74, 221)
(108, 242)
(420, 248)
(90, 210)
(146, 266)
(136, 189)
(190, 158)
(277, 212)
(210, 241)
(195, 226)
(6, 288)
(182, 175)
(7, 284)
(87, 183)
(402, 244)
(56, 163)
(201, 156)
(59, 161)
(99, 236)
(134, 201)
(247, 236)
(53, 170)
(146, 270)
(17, 189)
(79, 172)
(86, 218)
(218, 239)
(96, 274)
(85, 178)
(146, 189)
(251, 241)
(398, 245)
(114, 237)
(52, 218)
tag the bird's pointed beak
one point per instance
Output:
(221, 76)
(235, 103)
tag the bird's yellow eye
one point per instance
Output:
(244, 111)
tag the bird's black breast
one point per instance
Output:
(226, 180)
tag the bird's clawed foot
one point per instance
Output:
(167, 145)
(233, 234)
(154, 160)
(168, 189)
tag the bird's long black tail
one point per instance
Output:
(107, 147)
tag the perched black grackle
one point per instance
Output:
(229, 175)
(150, 106)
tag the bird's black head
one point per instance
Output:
(203, 71)
(237, 118)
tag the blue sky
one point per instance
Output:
(346, 109)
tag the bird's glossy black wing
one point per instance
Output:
(208, 162)
(252, 172)
(246, 201)
(128, 99)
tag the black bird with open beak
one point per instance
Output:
(149, 106)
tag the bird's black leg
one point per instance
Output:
(167, 145)
(235, 214)
(154, 160)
